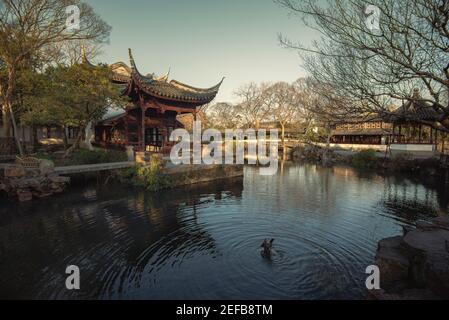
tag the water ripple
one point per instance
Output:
(204, 243)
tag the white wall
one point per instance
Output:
(356, 147)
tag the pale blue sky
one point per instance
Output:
(204, 40)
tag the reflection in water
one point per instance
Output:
(203, 242)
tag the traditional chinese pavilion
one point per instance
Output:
(409, 128)
(155, 102)
(370, 130)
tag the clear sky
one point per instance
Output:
(204, 40)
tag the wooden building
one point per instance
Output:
(414, 128)
(155, 102)
(407, 120)
(31, 137)
(408, 128)
(371, 130)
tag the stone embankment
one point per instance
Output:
(25, 183)
(192, 174)
(416, 264)
(316, 153)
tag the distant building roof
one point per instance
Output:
(414, 110)
(360, 119)
(113, 113)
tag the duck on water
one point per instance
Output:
(267, 250)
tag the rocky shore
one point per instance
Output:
(25, 183)
(416, 264)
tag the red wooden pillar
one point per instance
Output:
(431, 135)
(126, 130)
(393, 137)
(164, 133)
(436, 139)
(442, 142)
(142, 125)
(420, 133)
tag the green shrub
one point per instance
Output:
(84, 156)
(150, 177)
(46, 156)
(365, 159)
(402, 162)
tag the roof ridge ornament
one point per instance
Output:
(164, 78)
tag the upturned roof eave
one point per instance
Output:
(158, 89)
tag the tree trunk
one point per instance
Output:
(76, 144)
(8, 105)
(65, 139)
(89, 136)
(6, 121)
(34, 140)
(325, 157)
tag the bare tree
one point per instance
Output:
(305, 104)
(325, 106)
(74, 51)
(223, 115)
(33, 28)
(255, 103)
(285, 104)
(377, 68)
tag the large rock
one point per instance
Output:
(427, 241)
(407, 294)
(24, 196)
(392, 263)
(420, 258)
(46, 167)
(26, 183)
(428, 252)
(442, 221)
(436, 273)
(14, 171)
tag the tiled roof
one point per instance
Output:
(360, 119)
(159, 87)
(415, 110)
(121, 72)
(173, 90)
(113, 114)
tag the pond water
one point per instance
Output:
(204, 242)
